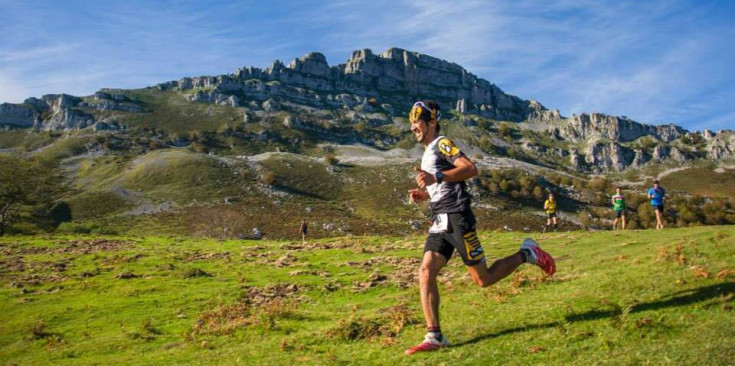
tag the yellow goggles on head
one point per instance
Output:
(421, 111)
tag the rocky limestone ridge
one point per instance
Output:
(396, 77)
(64, 111)
(371, 87)
(618, 129)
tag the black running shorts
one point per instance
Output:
(461, 236)
(619, 213)
(551, 215)
(659, 207)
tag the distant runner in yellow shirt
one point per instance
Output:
(550, 208)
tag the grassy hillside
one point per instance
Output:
(702, 181)
(173, 113)
(632, 297)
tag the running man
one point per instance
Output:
(302, 230)
(550, 208)
(618, 202)
(657, 195)
(441, 180)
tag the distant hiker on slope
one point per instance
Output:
(618, 202)
(441, 180)
(302, 230)
(657, 195)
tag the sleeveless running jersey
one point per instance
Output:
(445, 197)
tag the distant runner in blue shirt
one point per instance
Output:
(657, 195)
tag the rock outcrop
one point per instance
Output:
(375, 90)
(17, 115)
(395, 76)
(608, 156)
(599, 126)
(64, 111)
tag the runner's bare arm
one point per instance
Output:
(463, 169)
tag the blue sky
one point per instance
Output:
(653, 61)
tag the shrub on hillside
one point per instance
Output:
(268, 178)
(24, 184)
(538, 193)
(23, 228)
(599, 184)
(646, 216)
(331, 159)
(73, 228)
(198, 148)
(505, 130)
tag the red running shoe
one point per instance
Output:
(538, 256)
(430, 343)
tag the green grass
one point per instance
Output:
(23, 139)
(94, 204)
(171, 112)
(167, 174)
(703, 181)
(634, 297)
(70, 145)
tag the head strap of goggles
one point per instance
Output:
(422, 111)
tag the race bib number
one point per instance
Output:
(441, 224)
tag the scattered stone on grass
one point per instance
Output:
(197, 255)
(285, 261)
(725, 273)
(388, 323)
(194, 272)
(79, 246)
(699, 271)
(312, 273)
(126, 275)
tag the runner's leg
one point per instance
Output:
(430, 266)
(501, 268)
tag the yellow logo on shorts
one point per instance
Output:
(472, 244)
(446, 146)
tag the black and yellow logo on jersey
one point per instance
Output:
(473, 247)
(446, 146)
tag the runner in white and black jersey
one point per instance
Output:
(441, 180)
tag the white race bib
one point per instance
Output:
(441, 224)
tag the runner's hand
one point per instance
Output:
(423, 178)
(417, 196)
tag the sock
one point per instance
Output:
(436, 332)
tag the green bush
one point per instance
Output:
(23, 228)
(331, 159)
(73, 228)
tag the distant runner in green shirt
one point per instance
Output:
(618, 202)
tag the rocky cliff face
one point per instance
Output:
(395, 77)
(374, 88)
(63, 111)
(599, 126)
